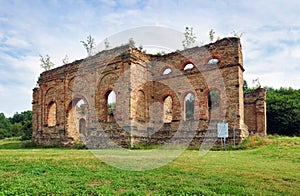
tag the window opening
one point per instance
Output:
(168, 109)
(189, 106)
(167, 71)
(111, 106)
(52, 114)
(188, 66)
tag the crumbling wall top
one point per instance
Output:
(226, 50)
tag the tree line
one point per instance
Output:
(20, 125)
(283, 111)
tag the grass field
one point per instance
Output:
(273, 168)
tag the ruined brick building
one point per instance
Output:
(181, 95)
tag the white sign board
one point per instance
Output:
(223, 130)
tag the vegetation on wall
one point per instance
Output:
(46, 63)
(189, 38)
(89, 44)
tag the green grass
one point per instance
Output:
(267, 167)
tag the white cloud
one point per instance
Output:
(16, 42)
(295, 53)
(2, 89)
(108, 2)
(118, 18)
(14, 99)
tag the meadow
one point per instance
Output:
(268, 166)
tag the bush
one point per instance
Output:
(79, 145)
(253, 142)
(29, 144)
(4, 133)
(27, 135)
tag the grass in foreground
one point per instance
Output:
(271, 169)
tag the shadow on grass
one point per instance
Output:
(11, 144)
(251, 142)
(16, 144)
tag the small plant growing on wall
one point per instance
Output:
(46, 64)
(89, 45)
(211, 35)
(189, 38)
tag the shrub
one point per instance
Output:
(28, 144)
(79, 145)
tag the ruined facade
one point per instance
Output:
(124, 97)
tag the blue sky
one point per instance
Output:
(270, 41)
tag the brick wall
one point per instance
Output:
(141, 88)
(255, 112)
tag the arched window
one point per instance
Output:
(82, 126)
(168, 109)
(51, 121)
(189, 106)
(188, 66)
(76, 118)
(81, 107)
(167, 71)
(213, 61)
(111, 105)
(213, 99)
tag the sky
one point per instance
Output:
(270, 40)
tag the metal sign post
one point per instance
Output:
(233, 135)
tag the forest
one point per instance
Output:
(283, 111)
(283, 116)
(20, 125)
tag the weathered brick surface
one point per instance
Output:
(255, 112)
(141, 90)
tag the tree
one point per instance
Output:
(283, 111)
(189, 107)
(256, 83)
(247, 88)
(111, 107)
(26, 133)
(4, 133)
(20, 125)
(16, 129)
(237, 34)
(213, 99)
(65, 60)
(4, 127)
(106, 43)
(20, 118)
(46, 64)
(211, 35)
(89, 45)
(189, 38)
(131, 42)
